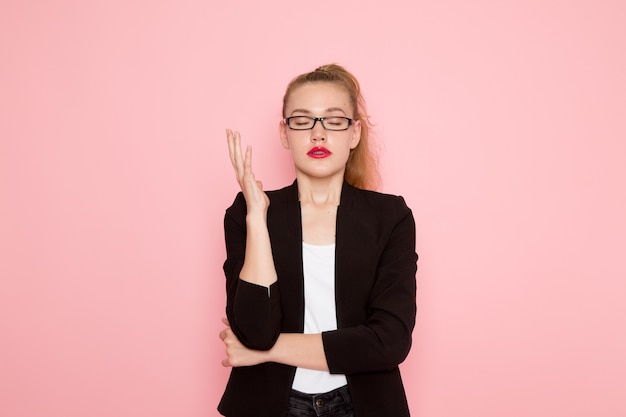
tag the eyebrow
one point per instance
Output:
(328, 110)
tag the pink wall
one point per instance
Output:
(501, 122)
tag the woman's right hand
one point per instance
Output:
(256, 199)
(236, 353)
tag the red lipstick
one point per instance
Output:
(319, 152)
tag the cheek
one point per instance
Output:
(295, 142)
(346, 149)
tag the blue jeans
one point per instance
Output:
(335, 403)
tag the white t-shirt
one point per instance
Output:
(320, 313)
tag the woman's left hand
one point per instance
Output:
(236, 353)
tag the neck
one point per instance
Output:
(320, 191)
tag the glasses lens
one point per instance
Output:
(336, 123)
(300, 122)
(329, 123)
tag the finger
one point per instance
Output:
(248, 161)
(231, 146)
(250, 182)
(234, 151)
(239, 163)
(223, 334)
(225, 321)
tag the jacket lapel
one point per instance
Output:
(286, 237)
(350, 252)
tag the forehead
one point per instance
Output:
(318, 96)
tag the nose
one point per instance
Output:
(318, 133)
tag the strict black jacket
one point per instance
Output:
(375, 266)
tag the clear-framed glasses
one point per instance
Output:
(328, 123)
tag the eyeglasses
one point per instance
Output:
(328, 123)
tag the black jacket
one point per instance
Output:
(375, 298)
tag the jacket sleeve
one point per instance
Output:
(383, 341)
(253, 311)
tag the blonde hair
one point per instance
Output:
(362, 165)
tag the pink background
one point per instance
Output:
(501, 122)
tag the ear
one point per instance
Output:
(282, 127)
(356, 135)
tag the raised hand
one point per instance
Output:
(256, 199)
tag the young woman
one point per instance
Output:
(320, 275)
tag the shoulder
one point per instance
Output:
(239, 208)
(290, 192)
(374, 202)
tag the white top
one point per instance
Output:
(319, 313)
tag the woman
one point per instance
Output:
(320, 275)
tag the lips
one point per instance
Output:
(319, 152)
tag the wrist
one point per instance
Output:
(256, 218)
(271, 355)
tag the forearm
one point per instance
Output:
(301, 350)
(258, 267)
